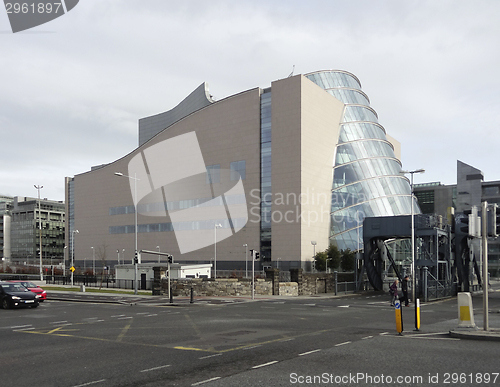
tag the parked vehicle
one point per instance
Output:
(31, 286)
(14, 295)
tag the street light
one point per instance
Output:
(246, 260)
(216, 225)
(39, 187)
(93, 261)
(64, 260)
(135, 212)
(314, 254)
(413, 282)
(73, 252)
(158, 247)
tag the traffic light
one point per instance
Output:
(257, 255)
(170, 258)
(493, 221)
(136, 258)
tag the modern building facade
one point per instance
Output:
(27, 221)
(470, 190)
(285, 171)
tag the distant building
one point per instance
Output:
(20, 228)
(306, 157)
(125, 274)
(470, 190)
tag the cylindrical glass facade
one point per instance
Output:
(367, 179)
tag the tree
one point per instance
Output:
(334, 256)
(348, 260)
(320, 260)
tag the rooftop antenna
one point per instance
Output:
(291, 74)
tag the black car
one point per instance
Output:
(13, 295)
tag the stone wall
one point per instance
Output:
(206, 287)
(316, 283)
(288, 289)
(301, 284)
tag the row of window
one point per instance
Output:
(160, 207)
(237, 169)
(236, 223)
(265, 168)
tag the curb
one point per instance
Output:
(491, 335)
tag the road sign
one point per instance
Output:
(72, 268)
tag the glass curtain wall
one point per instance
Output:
(366, 173)
(265, 175)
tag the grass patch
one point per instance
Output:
(96, 290)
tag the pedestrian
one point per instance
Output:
(393, 290)
(404, 288)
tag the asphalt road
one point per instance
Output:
(276, 342)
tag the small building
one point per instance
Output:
(125, 274)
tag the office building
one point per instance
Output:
(470, 190)
(27, 221)
(284, 170)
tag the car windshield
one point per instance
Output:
(14, 288)
(29, 284)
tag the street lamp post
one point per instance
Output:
(246, 260)
(216, 225)
(39, 187)
(64, 261)
(73, 253)
(93, 261)
(413, 281)
(135, 212)
(158, 247)
(314, 251)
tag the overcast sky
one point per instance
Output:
(72, 90)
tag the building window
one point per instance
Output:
(213, 174)
(490, 191)
(426, 201)
(238, 168)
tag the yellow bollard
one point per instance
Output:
(399, 316)
(465, 311)
(417, 314)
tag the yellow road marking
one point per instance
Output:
(123, 332)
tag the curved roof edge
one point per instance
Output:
(152, 125)
(335, 71)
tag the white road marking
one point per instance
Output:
(307, 353)
(90, 383)
(265, 364)
(206, 357)
(255, 346)
(205, 381)
(156, 368)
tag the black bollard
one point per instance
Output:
(192, 293)
(171, 296)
